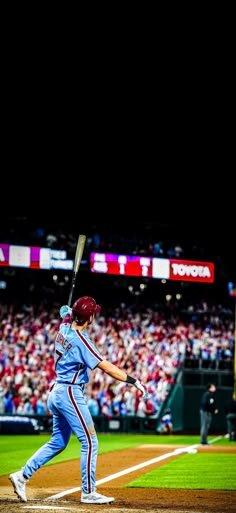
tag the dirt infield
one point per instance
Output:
(54, 479)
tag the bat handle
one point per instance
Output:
(71, 289)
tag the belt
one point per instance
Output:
(69, 383)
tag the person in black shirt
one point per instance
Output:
(207, 409)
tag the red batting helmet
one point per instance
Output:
(83, 308)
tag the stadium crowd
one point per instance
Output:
(147, 343)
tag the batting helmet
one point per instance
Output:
(83, 308)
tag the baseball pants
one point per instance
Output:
(70, 414)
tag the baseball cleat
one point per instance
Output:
(95, 498)
(19, 483)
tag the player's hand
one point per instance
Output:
(65, 310)
(141, 388)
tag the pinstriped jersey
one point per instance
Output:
(74, 354)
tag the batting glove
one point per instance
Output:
(141, 388)
(65, 310)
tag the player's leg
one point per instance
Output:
(59, 440)
(204, 427)
(208, 422)
(81, 422)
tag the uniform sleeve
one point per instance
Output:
(66, 319)
(90, 354)
(65, 310)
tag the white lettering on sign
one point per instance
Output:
(100, 267)
(201, 271)
(2, 258)
(122, 259)
(145, 261)
(99, 257)
(58, 254)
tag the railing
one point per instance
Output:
(200, 372)
(202, 364)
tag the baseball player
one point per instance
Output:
(74, 355)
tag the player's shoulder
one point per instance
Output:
(66, 319)
(83, 335)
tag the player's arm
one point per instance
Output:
(119, 374)
(112, 370)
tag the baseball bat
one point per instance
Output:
(78, 256)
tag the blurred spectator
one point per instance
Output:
(107, 410)
(9, 404)
(2, 399)
(166, 423)
(150, 409)
(141, 408)
(41, 405)
(93, 404)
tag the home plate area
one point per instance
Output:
(56, 487)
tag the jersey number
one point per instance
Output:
(60, 355)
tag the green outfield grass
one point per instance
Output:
(193, 472)
(187, 471)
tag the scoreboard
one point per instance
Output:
(149, 267)
(110, 263)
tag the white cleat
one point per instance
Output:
(19, 483)
(95, 498)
